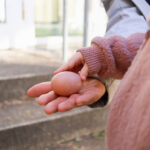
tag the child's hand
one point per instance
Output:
(75, 64)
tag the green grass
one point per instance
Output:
(45, 32)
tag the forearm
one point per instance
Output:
(111, 57)
(113, 65)
(124, 19)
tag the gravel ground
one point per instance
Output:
(94, 141)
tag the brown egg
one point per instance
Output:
(66, 83)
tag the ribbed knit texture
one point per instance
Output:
(111, 57)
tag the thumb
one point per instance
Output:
(84, 72)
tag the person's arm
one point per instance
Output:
(110, 57)
(124, 19)
(107, 57)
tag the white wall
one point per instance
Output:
(17, 32)
(97, 20)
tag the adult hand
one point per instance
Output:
(92, 90)
(75, 64)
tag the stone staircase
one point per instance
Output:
(23, 124)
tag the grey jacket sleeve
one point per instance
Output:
(124, 19)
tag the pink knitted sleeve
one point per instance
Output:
(111, 57)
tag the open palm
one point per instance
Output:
(92, 90)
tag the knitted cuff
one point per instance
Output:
(92, 58)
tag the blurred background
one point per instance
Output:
(36, 37)
(38, 23)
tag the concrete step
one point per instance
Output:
(24, 126)
(20, 70)
(16, 87)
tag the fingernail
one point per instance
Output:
(79, 103)
(83, 77)
(55, 72)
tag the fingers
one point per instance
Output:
(63, 68)
(61, 104)
(92, 91)
(84, 72)
(91, 95)
(68, 104)
(46, 98)
(87, 97)
(52, 107)
(76, 60)
(39, 89)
